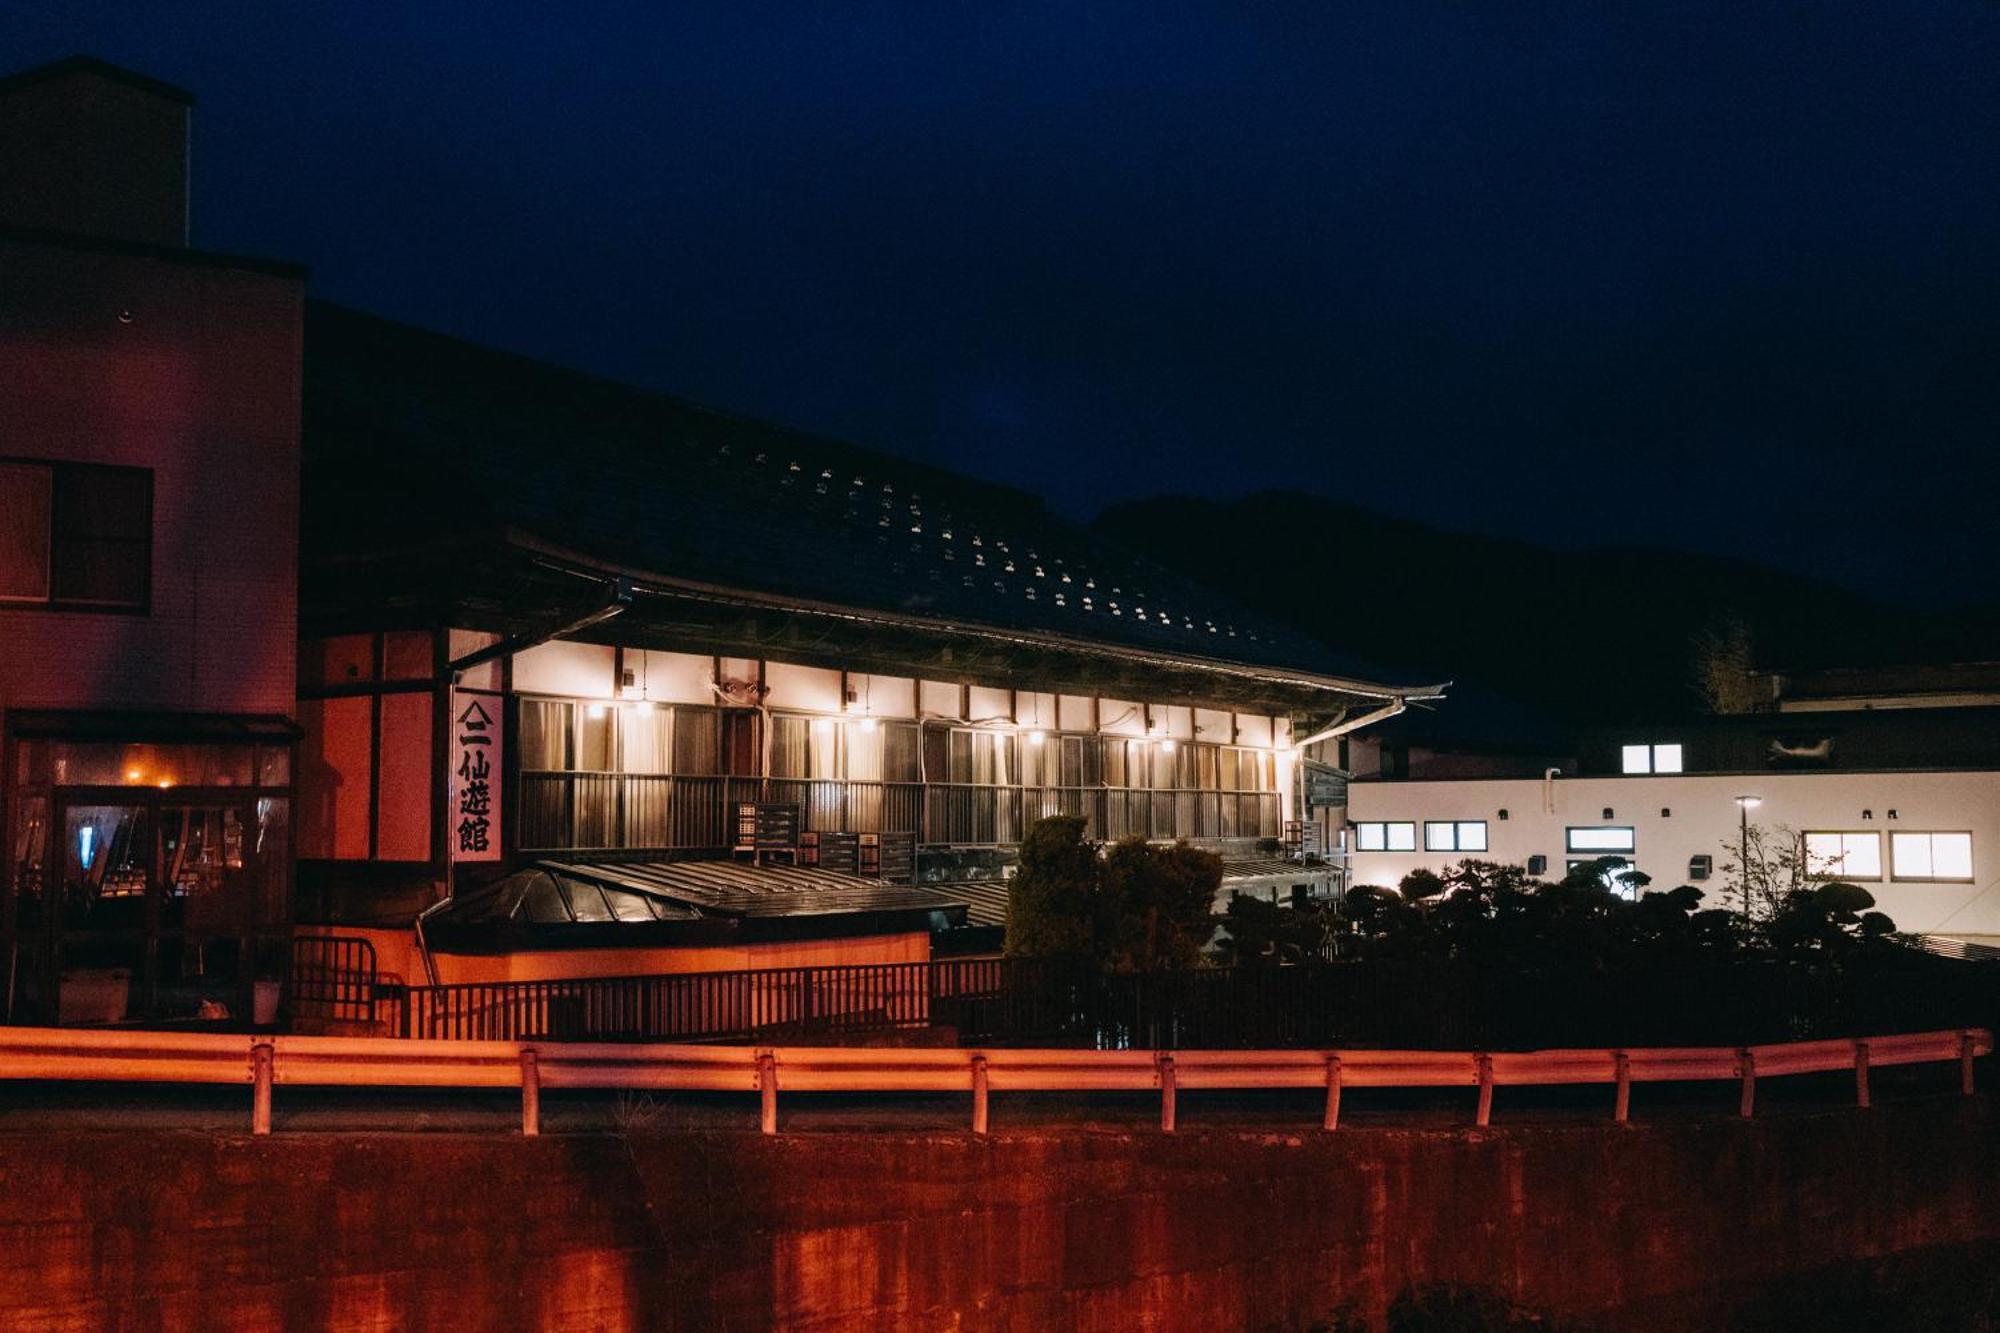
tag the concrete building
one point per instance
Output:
(149, 457)
(1898, 792)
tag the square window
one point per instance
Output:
(1472, 835)
(1638, 758)
(1440, 837)
(1402, 837)
(1844, 855)
(1931, 856)
(1369, 837)
(1666, 758)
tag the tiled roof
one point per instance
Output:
(475, 437)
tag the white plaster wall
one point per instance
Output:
(1704, 819)
(989, 704)
(1075, 713)
(671, 678)
(561, 667)
(1253, 728)
(1121, 717)
(1214, 725)
(943, 699)
(807, 689)
(884, 696)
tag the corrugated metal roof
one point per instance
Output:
(736, 889)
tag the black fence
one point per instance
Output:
(1357, 1003)
(332, 978)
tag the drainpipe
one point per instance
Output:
(1549, 777)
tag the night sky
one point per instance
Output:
(1722, 276)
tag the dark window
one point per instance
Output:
(76, 535)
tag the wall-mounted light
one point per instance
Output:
(134, 775)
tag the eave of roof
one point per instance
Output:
(664, 585)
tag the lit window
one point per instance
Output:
(1844, 855)
(1933, 856)
(1465, 835)
(1606, 838)
(1616, 875)
(1386, 837)
(1652, 758)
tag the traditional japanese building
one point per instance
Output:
(149, 462)
(592, 637)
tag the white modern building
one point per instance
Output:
(1893, 792)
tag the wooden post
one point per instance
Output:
(1747, 1063)
(979, 1094)
(260, 1087)
(1622, 1108)
(1167, 1093)
(767, 1088)
(531, 1093)
(1861, 1074)
(1485, 1114)
(1332, 1120)
(1965, 1084)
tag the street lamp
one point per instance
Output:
(1744, 805)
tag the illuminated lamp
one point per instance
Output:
(822, 725)
(642, 705)
(867, 724)
(166, 783)
(1167, 745)
(1036, 737)
(134, 775)
(595, 710)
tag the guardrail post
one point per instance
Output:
(1332, 1118)
(1485, 1113)
(1167, 1093)
(1621, 1109)
(1861, 1074)
(767, 1090)
(1965, 1044)
(979, 1094)
(260, 1087)
(531, 1093)
(1746, 1063)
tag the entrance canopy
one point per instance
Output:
(624, 904)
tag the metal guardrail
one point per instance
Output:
(375, 1062)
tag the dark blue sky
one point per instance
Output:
(1718, 275)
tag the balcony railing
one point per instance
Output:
(659, 812)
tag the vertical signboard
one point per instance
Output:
(477, 739)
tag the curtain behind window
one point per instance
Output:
(642, 739)
(544, 734)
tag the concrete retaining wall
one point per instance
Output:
(1031, 1230)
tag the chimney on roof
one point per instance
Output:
(95, 150)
